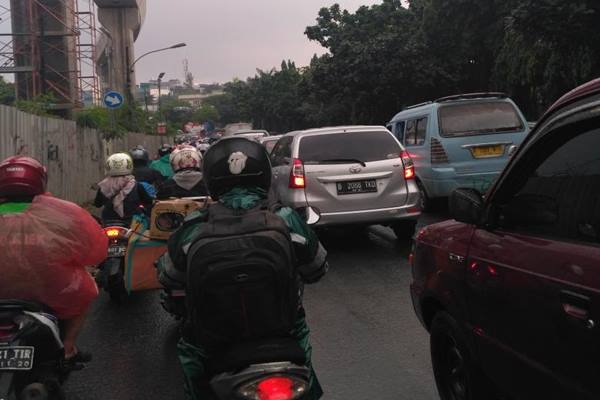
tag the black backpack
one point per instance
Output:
(242, 281)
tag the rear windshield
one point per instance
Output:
(479, 119)
(362, 146)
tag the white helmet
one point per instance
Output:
(184, 157)
(119, 164)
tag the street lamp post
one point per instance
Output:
(160, 76)
(130, 66)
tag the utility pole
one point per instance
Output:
(160, 76)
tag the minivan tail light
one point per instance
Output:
(438, 153)
(297, 178)
(409, 165)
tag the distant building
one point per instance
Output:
(195, 100)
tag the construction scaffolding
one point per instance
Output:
(50, 48)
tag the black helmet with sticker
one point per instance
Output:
(236, 162)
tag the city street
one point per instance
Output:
(367, 341)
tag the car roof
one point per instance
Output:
(270, 138)
(249, 131)
(465, 97)
(589, 88)
(338, 129)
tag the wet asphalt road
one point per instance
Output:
(367, 342)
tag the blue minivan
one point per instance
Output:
(459, 141)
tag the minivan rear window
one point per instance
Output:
(363, 146)
(471, 119)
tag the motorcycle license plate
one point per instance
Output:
(16, 358)
(117, 251)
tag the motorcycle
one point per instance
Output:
(111, 272)
(266, 370)
(32, 363)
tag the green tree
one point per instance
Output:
(550, 47)
(7, 92)
(42, 105)
(206, 112)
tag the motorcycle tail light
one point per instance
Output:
(116, 232)
(7, 330)
(274, 388)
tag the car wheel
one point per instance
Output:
(116, 289)
(457, 375)
(425, 201)
(404, 230)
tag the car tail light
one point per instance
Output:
(409, 165)
(297, 178)
(438, 153)
(274, 388)
(116, 232)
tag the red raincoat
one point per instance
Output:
(43, 254)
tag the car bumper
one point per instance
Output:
(448, 180)
(370, 217)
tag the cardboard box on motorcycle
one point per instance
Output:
(149, 241)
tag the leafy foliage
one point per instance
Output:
(7, 92)
(41, 105)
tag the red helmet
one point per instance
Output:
(22, 176)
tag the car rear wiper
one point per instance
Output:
(342, 161)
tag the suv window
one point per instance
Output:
(363, 146)
(416, 131)
(470, 119)
(399, 129)
(561, 198)
(282, 152)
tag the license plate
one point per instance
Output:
(487, 151)
(117, 251)
(353, 187)
(16, 358)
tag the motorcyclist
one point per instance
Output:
(141, 170)
(186, 162)
(46, 243)
(238, 173)
(162, 163)
(119, 194)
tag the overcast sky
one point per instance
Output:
(229, 38)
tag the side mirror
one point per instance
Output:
(466, 205)
(312, 216)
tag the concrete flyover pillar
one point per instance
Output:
(121, 22)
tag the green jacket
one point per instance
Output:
(163, 165)
(310, 253)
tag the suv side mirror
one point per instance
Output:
(466, 205)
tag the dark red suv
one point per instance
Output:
(510, 290)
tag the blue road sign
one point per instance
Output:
(113, 100)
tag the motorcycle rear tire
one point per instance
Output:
(35, 391)
(116, 289)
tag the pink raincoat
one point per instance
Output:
(43, 254)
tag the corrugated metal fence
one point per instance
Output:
(74, 156)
